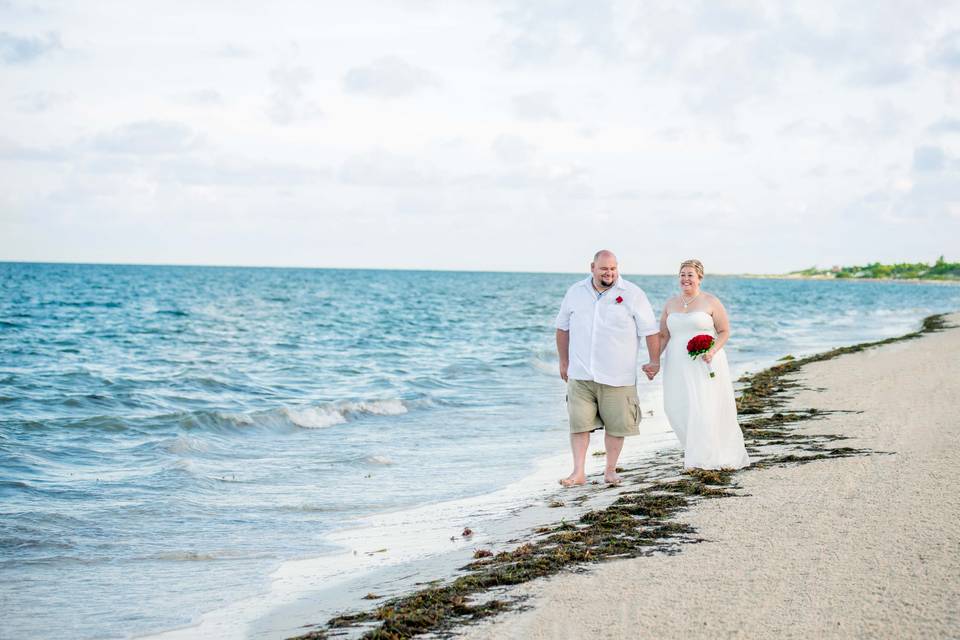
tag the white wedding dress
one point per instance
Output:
(701, 409)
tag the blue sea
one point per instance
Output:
(170, 436)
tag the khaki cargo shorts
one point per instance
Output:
(592, 405)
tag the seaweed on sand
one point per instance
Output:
(636, 523)
(764, 394)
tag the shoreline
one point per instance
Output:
(635, 520)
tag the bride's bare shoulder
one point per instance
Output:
(713, 302)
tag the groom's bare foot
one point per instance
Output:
(573, 480)
(611, 478)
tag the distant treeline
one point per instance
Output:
(940, 270)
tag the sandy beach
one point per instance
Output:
(863, 546)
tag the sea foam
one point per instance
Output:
(320, 417)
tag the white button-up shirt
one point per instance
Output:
(605, 331)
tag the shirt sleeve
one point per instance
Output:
(563, 318)
(643, 316)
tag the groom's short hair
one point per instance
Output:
(602, 253)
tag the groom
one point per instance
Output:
(598, 328)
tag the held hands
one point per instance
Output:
(651, 369)
(708, 356)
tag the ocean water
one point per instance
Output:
(169, 436)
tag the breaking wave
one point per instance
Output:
(322, 416)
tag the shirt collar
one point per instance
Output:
(588, 283)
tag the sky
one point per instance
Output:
(759, 137)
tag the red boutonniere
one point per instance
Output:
(619, 299)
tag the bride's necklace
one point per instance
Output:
(687, 303)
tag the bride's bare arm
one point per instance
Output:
(664, 331)
(722, 325)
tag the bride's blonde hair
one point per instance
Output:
(696, 264)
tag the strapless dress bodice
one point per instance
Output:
(690, 324)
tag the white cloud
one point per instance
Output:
(237, 172)
(513, 149)
(881, 75)
(927, 159)
(535, 106)
(10, 150)
(203, 97)
(946, 52)
(382, 169)
(808, 128)
(388, 77)
(231, 50)
(148, 137)
(289, 103)
(935, 198)
(40, 101)
(22, 50)
(945, 125)
(886, 121)
(557, 31)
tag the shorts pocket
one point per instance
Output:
(634, 408)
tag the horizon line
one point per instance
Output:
(316, 268)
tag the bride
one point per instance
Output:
(701, 409)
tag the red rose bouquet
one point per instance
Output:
(699, 345)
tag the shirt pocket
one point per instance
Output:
(618, 316)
